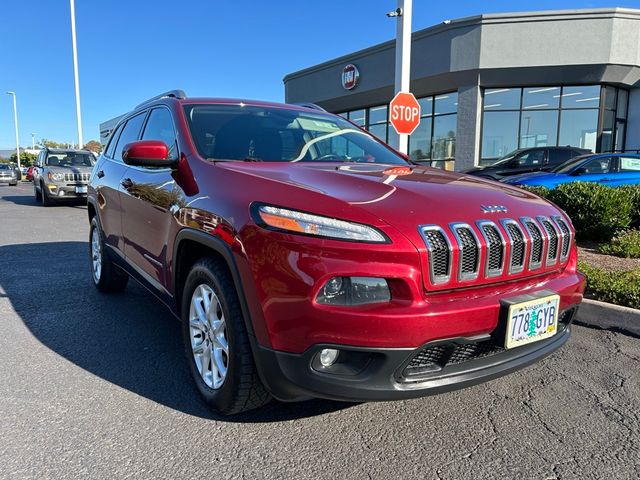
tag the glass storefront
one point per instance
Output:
(525, 117)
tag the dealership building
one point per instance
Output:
(490, 84)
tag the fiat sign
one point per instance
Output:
(350, 76)
(404, 113)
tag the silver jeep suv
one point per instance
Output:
(62, 174)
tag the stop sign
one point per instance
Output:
(404, 113)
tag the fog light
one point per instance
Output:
(328, 356)
(354, 291)
(60, 193)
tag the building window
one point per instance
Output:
(434, 141)
(550, 116)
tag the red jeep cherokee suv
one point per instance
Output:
(306, 258)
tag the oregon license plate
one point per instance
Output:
(81, 189)
(532, 321)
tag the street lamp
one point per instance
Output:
(15, 121)
(75, 70)
(33, 141)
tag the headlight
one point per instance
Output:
(316, 225)
(56, 177)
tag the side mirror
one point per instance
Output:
(147, 153)
(579, 171)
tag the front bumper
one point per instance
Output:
(67, 191)
(9, 180)
(377, 374)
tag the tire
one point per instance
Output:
(44, 197)
(36, 193)
(240, 388)
(105, 275)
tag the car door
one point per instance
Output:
(525, 162)
(107, 176)
(598, 170)
(626, 171)
(150, 198)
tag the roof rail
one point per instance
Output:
(171, 93)
(312, 106)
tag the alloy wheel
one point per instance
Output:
(208, 330)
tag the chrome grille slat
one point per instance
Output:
(518, 245)
(565, 245)
(553, 240)
(439, 253)
(468, 251)
(495, 248)
(537, 242)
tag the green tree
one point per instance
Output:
(26, 159)
(93, 146)
(52, 144)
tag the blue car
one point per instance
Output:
(612, 169)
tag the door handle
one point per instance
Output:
(126, 183)
(100, 174)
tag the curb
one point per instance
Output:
(608, 316)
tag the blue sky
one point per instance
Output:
(131, 50)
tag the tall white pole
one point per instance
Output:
(33, 141)
(403, 57)
(75, 70)
(15, 121)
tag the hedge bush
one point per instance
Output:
(621, 288)
(597, 212)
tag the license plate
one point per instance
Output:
(532, 321)
(81, 189)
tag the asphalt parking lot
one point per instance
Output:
(97, 386)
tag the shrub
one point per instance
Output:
(625, 244)
(633, 194)
(540, 191)
(621, 288)
(597, 212)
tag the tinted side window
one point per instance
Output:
(597, 165)
(560, 156)
(530, 159)
(160, 127)
(112, 142)
(130, 133)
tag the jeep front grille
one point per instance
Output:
(517, 244)
(76, 177)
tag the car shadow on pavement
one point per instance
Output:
(129, 339)
(30, 201)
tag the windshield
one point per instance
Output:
(569, 164)
(254, 133)
(4, 166)
(70, 159)
(506, 158)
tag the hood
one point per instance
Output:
(404, 197)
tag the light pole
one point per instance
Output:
(15, 121)
(33, 141)
(75, 70)
(403, 56)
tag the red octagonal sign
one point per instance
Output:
(404, 113)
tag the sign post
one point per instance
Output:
(403, 59)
